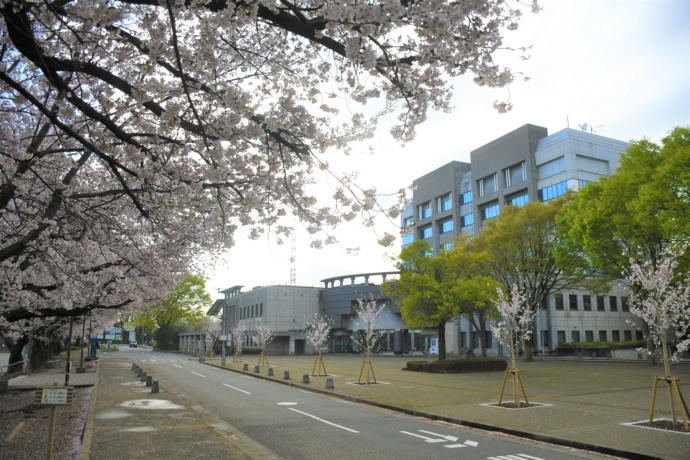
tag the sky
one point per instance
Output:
(621, 66)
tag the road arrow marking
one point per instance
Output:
(423, 437)
(447, 438)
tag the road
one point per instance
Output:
(298, 424)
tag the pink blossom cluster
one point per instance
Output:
(515, 317)
(317, 328)
(661, 298)
(137, 137)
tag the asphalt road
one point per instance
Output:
(298, 424)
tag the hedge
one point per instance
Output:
(455, 366)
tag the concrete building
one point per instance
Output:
(522, 166)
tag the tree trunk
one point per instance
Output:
(442, 341)
(16, 357)
(650, 344)
(528, 350)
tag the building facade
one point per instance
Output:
(522, 166)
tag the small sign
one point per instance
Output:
(223, 338)
(54, 396)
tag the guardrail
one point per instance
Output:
(5, 369)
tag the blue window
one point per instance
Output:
(468, 219)
(408, 221)
(407, 239)
(467, 197)
(444, 202)
(447, 226)
(447, 246)
(425, 211)
(519, 201)
(427, 232)
(491, 212)
(553, 191)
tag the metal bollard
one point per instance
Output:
(154, 386)
(149, 381)
(270, 372)
(257, 369)
(329, 384)
(245, 367)
(305, 378)
(143, 376)
(286, 375)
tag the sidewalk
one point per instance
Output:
(585, 405)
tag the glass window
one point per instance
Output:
(559, 301)
(575, 335)
(519, 201)
(516, 174)
(587, 303)
(447, 246)
(467, 197)
(589, 336)
(488, 339)
(553, 191)
(624, 304)
(627, 336)
(561, 337)
(572, 301)
(639, 335)
(491, 212)
(616, 336)
(613, 303)
(427, 232)
(408, 221)
(447, 226)
(407, 239)
(600, 303)
(444, 202)
(602, 336)
(487, 185)
(468, 219)
(425, 210)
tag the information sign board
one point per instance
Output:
(54, 396)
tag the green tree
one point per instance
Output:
(470, 289)
(186, 303)
(638, 213)
(521, 244)
(431, 291)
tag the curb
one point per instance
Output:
(87, 433)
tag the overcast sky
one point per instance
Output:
(622, 66)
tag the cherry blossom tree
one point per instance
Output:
(662, 301)
(515, 324)
(316, 331)
(368, 339)
(139, 134)
(238, 332)
(262, 335)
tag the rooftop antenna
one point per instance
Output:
(293, 259)
(584, 127)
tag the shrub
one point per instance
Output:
(455, 366)
(630, 344)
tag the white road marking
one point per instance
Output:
(423, 437)
(234, 388)
(287, 404)
(515, 457)
(447, 438)
(324, 421)
(472, 443)
(177, 366)
(198, 374)
(454, 446)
